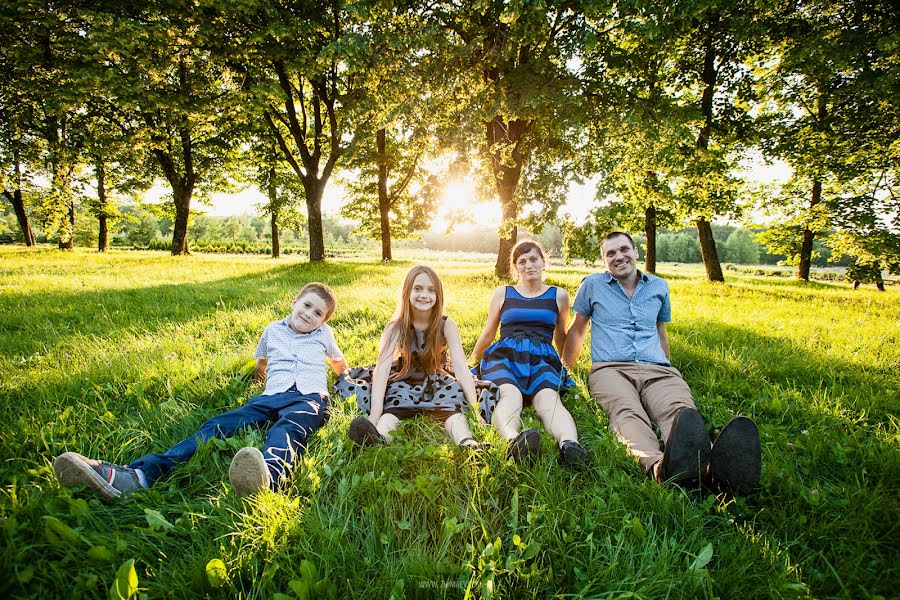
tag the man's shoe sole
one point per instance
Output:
(686, 454)
(72, 469)
(735, 461)
(248, 472)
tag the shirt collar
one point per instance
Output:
(287, 323)
(608, 278)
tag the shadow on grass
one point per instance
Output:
(831, 466)
(105, 312)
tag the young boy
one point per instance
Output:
(290, 358)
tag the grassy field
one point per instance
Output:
(119, 354)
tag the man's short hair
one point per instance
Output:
(613, 234)
(325, 293)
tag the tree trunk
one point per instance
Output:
(501, 135)
(704, 230)
(879, 281)
(182, 188)
(650, 232)
(508, 239)
(384, 204)
(807, 244)
(314, 190)
(21, 216)
(182, 199)
(103, 236)
(708, 251)
(276, 241)
(62, 186)
(273, 211)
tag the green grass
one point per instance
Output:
(119, 354)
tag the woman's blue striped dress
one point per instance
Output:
(524, 355)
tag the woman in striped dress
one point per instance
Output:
(531, 316)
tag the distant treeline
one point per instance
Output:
(141, 228)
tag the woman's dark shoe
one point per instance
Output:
(572, 455)
(735, 461)
(686, 454)
(525, 447)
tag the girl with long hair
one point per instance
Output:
(412, 375)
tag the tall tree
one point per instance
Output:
(719, 38)
(638, 124)
(306, 64)
(831, 113)
(43, 47)
(522, 99)
(14, 148)
(115, 152)
(158, 64)
(392, 194)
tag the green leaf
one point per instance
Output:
(301, 588)
(125, 585)
(101, 553)
(309, 572)
(638, 529)
(58, 533)
(322, 586)
(398, 591)
(25, 575)
(79, 507)
(216, 572)
(703, 558)
(156, 521)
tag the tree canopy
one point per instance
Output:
(658, 103)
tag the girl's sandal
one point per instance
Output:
(471, 444)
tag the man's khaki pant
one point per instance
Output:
(637, 396)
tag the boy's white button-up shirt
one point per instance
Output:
(296, 358)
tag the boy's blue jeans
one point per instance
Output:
(296, 417)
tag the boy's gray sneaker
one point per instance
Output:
(109, 481)
(248, 472)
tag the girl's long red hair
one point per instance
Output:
(403, 334)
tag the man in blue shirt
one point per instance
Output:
(632, 379)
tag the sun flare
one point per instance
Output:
(460, 212)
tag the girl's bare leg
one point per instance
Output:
(457, 427)
(386, 424)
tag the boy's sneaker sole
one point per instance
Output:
(248, 472)
(525, 447)
(735, 462)
(363, 432)
(686, 453)
(73, 469)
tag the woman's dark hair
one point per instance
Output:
(523, 247)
